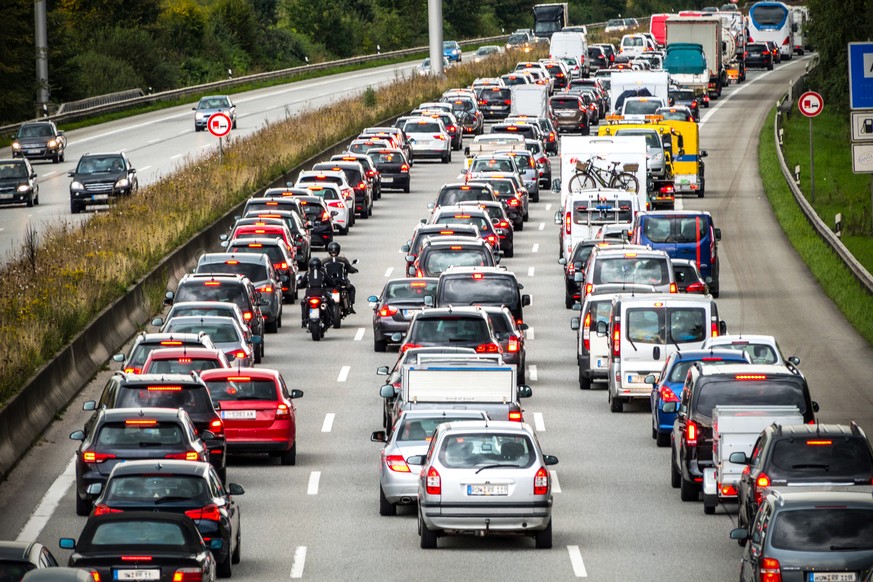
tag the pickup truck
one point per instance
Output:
(39, 140)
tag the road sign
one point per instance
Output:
(862, 125)
(861, 75)
(810, 104)
(862, 158)
(219, 124)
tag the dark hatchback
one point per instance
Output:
(115, 436)
(101, 178)
(494, 102)
(759, 54)
(19, 558)
(181, 487)
(18, 183)
(277, 252)
(395, 307)
(315, 213)
(503, 224)
(295, 223)
(393, 167)
(437, 255)
(143, 545)
(424, 231)
(457, 327)
(482, 286)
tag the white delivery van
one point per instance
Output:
(529, 100)
(631, 83)
(585, 212)
(571, 45)
(644, 329)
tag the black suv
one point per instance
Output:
(423, 231)
(185, 391)
(452, 194)
(235, 288)
(115, 436)
(18, 183)
(494, 102)
(458, 327)
(482, 286)
(99, 178)
(803, 454)
(439, 254)
(735, 385)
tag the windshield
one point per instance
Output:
(566, 103)
(768, 15)
(36, 130)
(100, 165)
(473, 290)
(213, 103)
(633, 107)
(439, 260)
(451, 196)
(517, 39)
(237, 388)
(469, 451)
(274, 253)
(121, 435)
(749, 393)
(12, 170)
(491, 165)
(422, 429)
(481, 222)
(650, 325)
(823, 529)
(680, 370)
(181, 365)
(413, 127)
(632, 41)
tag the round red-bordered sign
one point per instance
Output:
(219, 124)
(810, 104)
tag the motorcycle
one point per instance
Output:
(320, 316)
(339, 292)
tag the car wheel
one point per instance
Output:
(83, 506)
(428, 538)
(543, 538)
(675, 476)
(271, 326)
(615, 404)
(222, 474)
(584, 381)
(687, 489)
(509, 253)
(258, 353)
(715, 292)
(63, 156)
(663, 439)
(406, 188)
(365, 211)
(36, 200)
(520, 226)
(770, 67)
(385, 506)
(237, 551)
(380, 345)
(30, 200)
(223, 568)
(56, 158)
(568, 301)
(289, 457)
(536, 196)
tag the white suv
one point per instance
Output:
(428, 138)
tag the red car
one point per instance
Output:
(255, 405)
(183, 360)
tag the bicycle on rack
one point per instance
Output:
(589, 177)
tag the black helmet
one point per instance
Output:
(333, 248)
(314, 263)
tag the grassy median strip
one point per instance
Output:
(834, 277)
(66, 274)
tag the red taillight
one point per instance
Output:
(771, 571)
(404, 168)
(266, 289)
(210, 513)
(761, 482)
(514, 202)
(515, 416)
(514, 345)
(95, 457)
(439, 136)
(282, 411)
(405, 347)
(103, 509)
(361, 186)
(487, 349)
(371, 173)
(238, 354)
(714, 325)
(136, 558)
(186, 456)
(397, 463)
(699, 288)
(433, 484)
(507, 101)
(616, 338)
(667, 395)
(95, 575)
(691, 434)
(325, 216)
(491, 239)
(541, 482)
(188, 575)
(315, 302)
(729, 490)
(589, 287)
(568, 222)
(247, 315)
(586, 332)
(217, 426)
(387, 311)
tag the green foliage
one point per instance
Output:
(99, 74)
(17, 66)
(370, 97)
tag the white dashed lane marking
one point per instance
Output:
(531, 271)
(344, 374)
(314, 478)
(298, 562)
(535, 248)
(556, 485)
(532, 373)
(327, 425)
(538, 422)
(542, 226)
(359, 335)
(576, 561)
(388, 271)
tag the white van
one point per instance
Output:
(585, 212)
(633, 45)
(571, 45)
(644, 329)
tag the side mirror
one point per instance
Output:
(404, 249)
(67, 544)
(576, 307)
(669, 407)
(296, 393)
(158, 321)
(94, 489)
(794, 360)
(409, 258)
(217, 405)
(739, 534)
(89, 406)
(578, 276)
(354, 261)
(168, 298)
(372, 299)
(562, 261)
(379, 436)
(558, 217)
(416, 460)
(216, 544)
(235, 489)
(601, 328)
(428, 301)
(574, 323)
(717, 234)
(550, 459)
(256, 339)
(77, 435)
(525, 391)
(207, 435)
(71, 174)
(382, 371)
(466, 150)
(815, 407)
(222, 236)
(334, 212)
(523, 327)
(396, 337)
(739, 458)
(525, 300)
(410, 271)
(387, 391)
(431, 205)
(650, 379)
(556, 185)
(722, 328)
(702, 154)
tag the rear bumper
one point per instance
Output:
(247, 445)
(477, 517)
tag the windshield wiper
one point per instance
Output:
(848, 548)
(495, 467)
(144, 444)
(633, 345)
(811, 466)
(168, 498)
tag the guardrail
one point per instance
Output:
(857, 269)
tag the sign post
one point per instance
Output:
(861, 103)
(811, 104)
(219, 125)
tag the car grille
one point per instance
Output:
(99, 187)
(8, 189)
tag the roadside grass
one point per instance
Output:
(837, 189)
(66, 274)
(832, 275)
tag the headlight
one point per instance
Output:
(16, 145)
(52, 143)
(76, 186)
(123, 183)
(199, 116)
(24, 188)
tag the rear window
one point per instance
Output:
(192, 399)
(652, 139)
(758, 353)
(821, 455)
(476, 450)
(142, 351)
(823, 529)
(451, 196)
(480, 222)
(756, 48)
(500, 325)
(181, 366)
(605, 212)
(274, 253)
(320, 179)
(505, 187)
(236, 388)
(409, 290)
(652, 325)
(439, 260)
(469, 290)
(748, 393)
(419, 127)
(491, 165)
(326, 194)
(225, 292)
(566, 103)
(217, 332)
(643, 270)
(450, 329)
(675, 229)
(641, 107)
(134, 436)
(138, 533)
(153, 489)
(388, 158)
(493, 94)
(421, 429)
(251, 271)
(680, 371)
(599, 311)
(13, 570)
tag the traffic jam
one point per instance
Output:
(610, 138)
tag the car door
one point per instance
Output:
(757, 539)
(223, 497)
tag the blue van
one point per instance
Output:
(682, 234)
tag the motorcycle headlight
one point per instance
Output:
(123, 183)
(24, 188)
(77, 186)
(16, 145)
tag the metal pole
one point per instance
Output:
(811, 167)
(41, 42)
(435, 33)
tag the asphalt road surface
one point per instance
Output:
(615, 515)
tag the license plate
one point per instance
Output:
(832, 577)
(239, 414)
(409, 312)
(487, 490)
(100, 197)
(6, 196)
(150, 574)
(387, 179)
(600, 363)
(314, 314)
(34, 151)
(635, 379)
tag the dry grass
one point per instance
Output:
(63, 276)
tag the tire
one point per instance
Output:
(222, 474)
(385, 506)
(236, 557)
(344, 231)
(510, 253)
(536, 197)
(663, 439)
(365, 212)
(30, 200)
(271, 326)
(224, 569)
(584, 381)
(675, 476)
(315, 330)
(615, 404)
(83, 506)
(581, 182)
(624, 181)
(710, 502)
(36, 200)
(428, 539)
(446, 158)
(289, 457)
(687, 489)
(56, 158)
(520, 226)
(406, 188)
(380, 345)
(543, 539)
(258, 354)
(63, 156)
(337, 314)
(770, 67)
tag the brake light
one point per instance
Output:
(541, 482)
(371, 172)
(478, 276)
(586, 332)
(514, 202)
(266, 289)
(492, 240)
(674, 288)
(132, 370)
(487, 349)
(440, 137)
(667, 394)
(616, 337)
(188, 575)
(387, 311)
(589, 287)
(514, 345)
(762, 481)
(217, 426)
(282, 411)
(325, 216)
(404, 167)
(247, 315)
(136, 558)
(698, 288)
(771, 570)
(568, 222)
(314, 302)
(405, 347)
(714, 325)
(171, 343)
(361, 186)
(103, 509)
(750, 377)
(186, 456)
(212, 283)
(515, 416)
(728, 490)
(819, 443)
(210, 513)
(140, 422)
(433, 484)
(691, 431)
(95, 575)
(397, 463)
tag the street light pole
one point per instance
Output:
(435, 33)
(41, 38)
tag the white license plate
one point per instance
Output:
(34, 151)
(239, 414)
(832, 577)
(600, 364)
(487, 490)
(100, 197)
(314, 314)
(5, 196)
(387, 179)
(150, 574)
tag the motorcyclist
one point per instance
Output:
(316, 282)
(333, 250)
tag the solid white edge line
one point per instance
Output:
(538, 422)
(576, 561)
(532, 373)
(344, 374)
(49, 503)
(298, 562)
(359, 335)
(556, 485)
(143, 169)
(312, 487)
(327, 425)
(177, 156)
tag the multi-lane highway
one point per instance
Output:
(615, 515)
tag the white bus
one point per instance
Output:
(772, 21)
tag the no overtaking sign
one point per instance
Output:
(219, 124)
